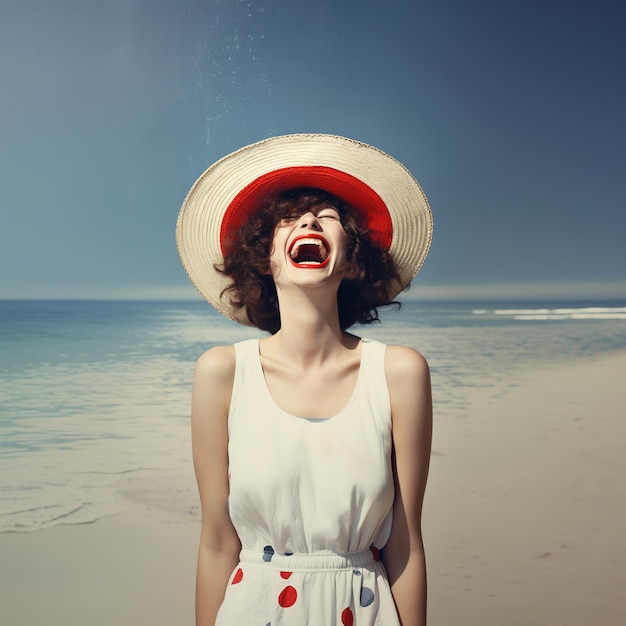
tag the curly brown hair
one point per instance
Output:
(370, 273)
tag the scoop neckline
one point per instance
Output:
(311, 420)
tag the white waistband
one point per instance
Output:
(306, 562)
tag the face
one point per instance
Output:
(309, 249)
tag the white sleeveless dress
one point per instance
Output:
(311, 501)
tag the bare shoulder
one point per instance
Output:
(408, 380)
(405, 365)
(217, 363)
(213, 381)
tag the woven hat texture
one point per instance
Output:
(377, 186)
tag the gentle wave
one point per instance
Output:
(571, 316)
(63, 510)
(572, 313)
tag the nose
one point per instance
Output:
(309, 220)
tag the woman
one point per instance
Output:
(311, 445)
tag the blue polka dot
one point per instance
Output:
(367, 596)
(268, 553)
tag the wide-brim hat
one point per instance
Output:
(378, 188)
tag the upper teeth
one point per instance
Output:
(308, 241)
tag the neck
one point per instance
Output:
(310, 330)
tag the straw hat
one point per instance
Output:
(377, 187)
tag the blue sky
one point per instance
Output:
(511, 116)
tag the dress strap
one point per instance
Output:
(246, 381)
(374, 378)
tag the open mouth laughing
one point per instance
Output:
(309, 251)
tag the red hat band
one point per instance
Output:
(366, 203)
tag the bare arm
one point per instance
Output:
(219, 544)
(411, 408)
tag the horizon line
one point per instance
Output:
(486, 292)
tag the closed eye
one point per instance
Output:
(288, 219)
(328, 215)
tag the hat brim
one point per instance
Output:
(383, 193)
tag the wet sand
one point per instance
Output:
(128, 569)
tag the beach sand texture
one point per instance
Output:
(524, 522)
(526, 508)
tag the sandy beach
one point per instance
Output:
(524, 522)
(526, 508)
(128, 569)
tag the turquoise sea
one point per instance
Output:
(94, 395)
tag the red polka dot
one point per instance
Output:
(285, 575)
(238, 577)
(287, 597)
(347, 617)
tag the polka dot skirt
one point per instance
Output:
(270, 589)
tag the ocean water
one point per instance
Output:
(94, 396)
